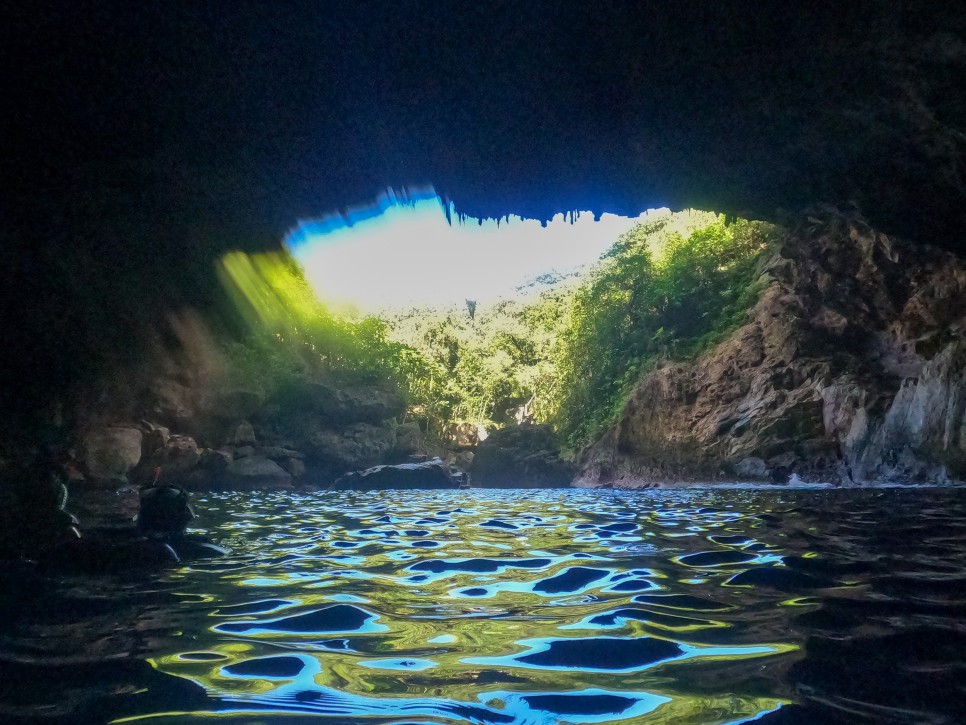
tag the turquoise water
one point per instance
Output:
(556, 606)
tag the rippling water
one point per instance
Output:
(686, 606)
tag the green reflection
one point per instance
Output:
(431, 644)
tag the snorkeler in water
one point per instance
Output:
(32, 501)
(164, 514)
(158, 538)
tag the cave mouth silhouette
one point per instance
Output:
(412, 249)
(197, 130)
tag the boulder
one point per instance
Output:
(215, 461)
(429, 474)
(294, 466)
(243, 435)
(176, 459)
(524, 456)
(409, 440)
(155, 437)
(111, 453)
(255, 472)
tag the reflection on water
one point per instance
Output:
(690, 606)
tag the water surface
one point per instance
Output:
(558, 606)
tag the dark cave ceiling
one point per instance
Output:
(225, 122)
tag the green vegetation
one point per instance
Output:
(293, 336)
(484, 368)
(656, 294)
(569, 354)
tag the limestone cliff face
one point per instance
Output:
(851, 369)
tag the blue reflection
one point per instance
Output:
(582, 706)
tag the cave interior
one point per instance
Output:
(142, 142)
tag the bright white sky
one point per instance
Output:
(410, 255)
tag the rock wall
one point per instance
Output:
(177, 412)
(315, 433)
(340, 427)
(851, 369)
(520, 456)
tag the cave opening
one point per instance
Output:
(483, 325)
(710, 469)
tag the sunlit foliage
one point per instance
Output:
(487, 367)
(655, 294)
(293, 336)
(568, 354)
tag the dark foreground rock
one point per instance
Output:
(111, 452)
(428, 474)
(524, 456)
(255, 472)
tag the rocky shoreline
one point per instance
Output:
(116, 456)
(318, 435)
(850, 369)
(324, 434)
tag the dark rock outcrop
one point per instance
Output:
(178, 457)
(409, 440)
(524, 456)
(254, 472)
(215, 462)
(428, 474)
(851, 368)
(111, 453)
(333, 427)
(155, 436)
(333, 451)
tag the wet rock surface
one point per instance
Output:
(255, 472)
(427, 474)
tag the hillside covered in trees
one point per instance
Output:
(565, 351)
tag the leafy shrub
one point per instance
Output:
(655, 294)
(293, 336)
